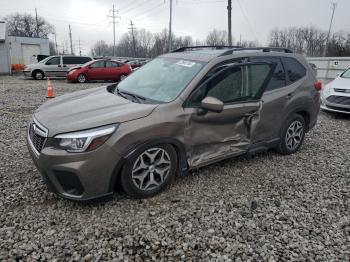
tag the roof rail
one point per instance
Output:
(215, 47)
(263, 49)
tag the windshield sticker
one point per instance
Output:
(185, 63)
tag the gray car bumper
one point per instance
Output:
(80, 177)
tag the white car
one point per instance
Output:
(336, 95)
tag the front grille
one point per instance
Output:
(341, 100)
(342, 90)
(37, 135)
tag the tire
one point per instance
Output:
(122, 77)
(82, 78)
(140, 170)
(38, 75)
(292, 136)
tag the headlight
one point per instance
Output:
(84, 141)
(327, 89)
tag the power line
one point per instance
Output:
(247, 20)
(114, 16)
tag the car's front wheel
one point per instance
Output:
(292, 136)
(82, 78)
(38, 75)
(149, 170)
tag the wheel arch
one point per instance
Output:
(302, 111)
(178, 146)
(36, 70)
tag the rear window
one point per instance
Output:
(278, 79)
(295, 70)
(71, 60)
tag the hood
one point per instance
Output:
(341, 83)
(88, 109)
(74, 67)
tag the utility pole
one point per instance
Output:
(71, 40)
(79, 44)
(334, 6)
(132, 28)
(229, 10)
(113, 14)
(57, 52)
(170, 26)
(37, 23)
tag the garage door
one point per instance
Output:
(28, 53)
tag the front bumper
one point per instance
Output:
(27, 73)
(334, 107)
(77, 176)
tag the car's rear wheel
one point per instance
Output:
(82, 78)
(149, 171)
(38, 75)
(293, 134)
(123, 76)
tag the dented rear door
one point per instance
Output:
(211, 136)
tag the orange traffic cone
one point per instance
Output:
(49, 92)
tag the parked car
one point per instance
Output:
(54, 66)
(135, 63)
(181, 111)
(99, 70)
(336, 95)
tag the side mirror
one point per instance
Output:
(212, 104)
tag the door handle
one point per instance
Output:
(289, 96)
(58, 66)
(64, 66)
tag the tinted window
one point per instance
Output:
(75, 60)
(111, 64)
(295, 70)
(54, 61)
(237, 84)
(98, 64)
(278, 79)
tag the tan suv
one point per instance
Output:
(181, 111)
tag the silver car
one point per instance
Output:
(336, 95)
(54, 66)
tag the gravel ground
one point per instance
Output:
(269, 207)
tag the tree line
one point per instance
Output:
(308, 40)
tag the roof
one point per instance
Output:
(206, 54)
(2, 31)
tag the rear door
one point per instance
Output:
(211, 136)
(113, 70)
(276, 100)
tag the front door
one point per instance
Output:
(211, 136)
(96, 71)
(53, 67)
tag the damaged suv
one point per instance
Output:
(181, 111)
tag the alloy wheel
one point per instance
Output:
(81, 78)
(122, 77)
(294, 135)
(151, 169)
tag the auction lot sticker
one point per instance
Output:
(185, 63)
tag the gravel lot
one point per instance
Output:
(269, 207)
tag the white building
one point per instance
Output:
(19, 50)
(5, 64)
(25, 49)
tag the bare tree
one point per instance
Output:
(101, 48)
(26, 25)
(216, 37)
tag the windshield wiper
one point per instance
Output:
(138, 98)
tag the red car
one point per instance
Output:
(99, 70)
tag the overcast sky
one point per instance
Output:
(252, 19)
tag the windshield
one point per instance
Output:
(346, 74)
(45, 60)
(162, 79)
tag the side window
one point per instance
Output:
(278, 79)
(98, 64)
(295, 70)
(54, 61)
(111, 64)
(237, 84)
